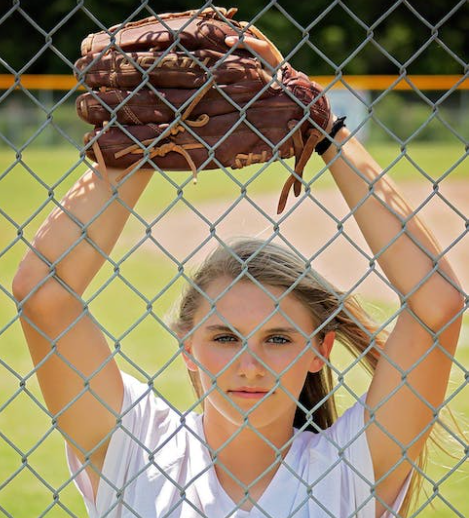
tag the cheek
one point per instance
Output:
(212, 360)
(295, 369)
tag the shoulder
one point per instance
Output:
(345, 439)
(150, 427)
(145, 414)
(350, 426)
(140, 399)
(336, 461)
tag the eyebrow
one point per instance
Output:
(286, 330)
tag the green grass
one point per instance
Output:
(432, 160)
(25, 430)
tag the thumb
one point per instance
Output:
(231, 40)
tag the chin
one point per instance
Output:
(260, 418)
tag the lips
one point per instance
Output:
(248, 392)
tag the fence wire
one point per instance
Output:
(18, 238)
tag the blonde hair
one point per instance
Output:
(268, 264)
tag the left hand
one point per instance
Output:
(269, 53)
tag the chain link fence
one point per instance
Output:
(172, 229)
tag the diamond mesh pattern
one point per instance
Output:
(147, 305)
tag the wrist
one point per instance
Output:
(335, 126)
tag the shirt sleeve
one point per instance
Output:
(138, 401)
(349, 436)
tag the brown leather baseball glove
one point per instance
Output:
(168, 90)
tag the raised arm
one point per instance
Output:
(412, 375)
(65, 344)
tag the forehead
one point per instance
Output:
(245, 305)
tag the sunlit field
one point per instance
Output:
(34, 479)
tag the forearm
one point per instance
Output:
(405, 248)
(79, 234)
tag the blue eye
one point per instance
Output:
(233, 339)
(225, 339)
(278, 340)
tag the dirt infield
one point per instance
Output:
(341, 257)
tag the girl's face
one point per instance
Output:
(258, 353)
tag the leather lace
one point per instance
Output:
(303, 152)
(163, 149)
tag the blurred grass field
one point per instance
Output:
(29, 447)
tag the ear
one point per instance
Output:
(325, 348)
(187, 355)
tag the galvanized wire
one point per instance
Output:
(183, 265)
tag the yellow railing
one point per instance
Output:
(365, 82)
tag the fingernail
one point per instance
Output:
(231, 39)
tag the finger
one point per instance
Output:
(259, 47)
(247, 42)
(231, 40)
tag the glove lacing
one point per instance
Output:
(303, 152)
(165, 148)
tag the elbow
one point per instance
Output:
(447, 312)
(455, 307)
(25, 285)
(31, 276)
(36, 292)
(452, 306)
(449, 327)
(451, 300)
(438, 303)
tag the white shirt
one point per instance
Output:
(157, 465)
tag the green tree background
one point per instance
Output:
(318, 36)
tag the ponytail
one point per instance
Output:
(363, 338)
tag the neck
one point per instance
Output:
(245, 452)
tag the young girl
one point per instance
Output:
(256, 326)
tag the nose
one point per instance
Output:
(250, 363)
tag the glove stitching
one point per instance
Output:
(243, 76)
